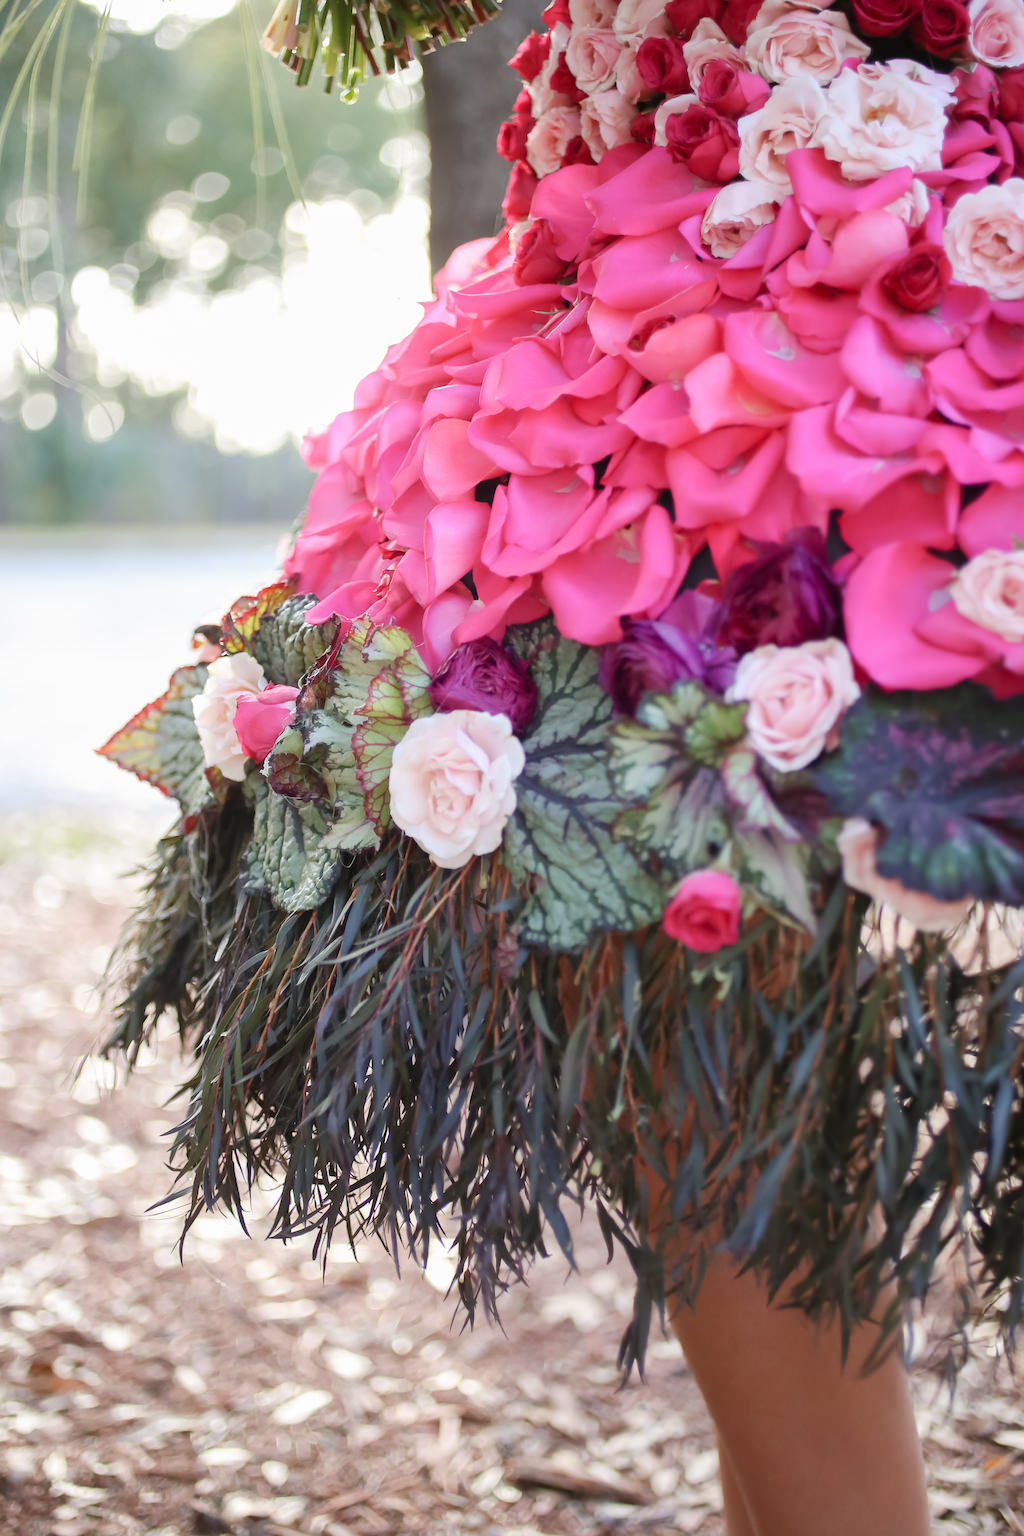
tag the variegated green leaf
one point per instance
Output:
(161, 745)
(778, 871)
(287, 856)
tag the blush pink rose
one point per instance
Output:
(592, 55)
(858, 843)
(605, 122)
(706, 44)
(996, 34)
(229, 679)
(629, 82)
(637, 19)
(704, 913)
(451, 783)
(549, 138)
(796, 694)
(984, 239)
(790, 120)
(989, 590)
(736, 213)
(807, 43)
(880, 117)
(592, 13)
(261, 717)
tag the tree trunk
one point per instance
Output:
(469, 92)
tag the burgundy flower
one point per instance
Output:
(655, 654)
(641, 129)
(662, 66)
(736, 18)
(529, 58)
(918, 280)
(707, 144)
(536, 260)
(883, 18)
(683, 15)
(787, 594)
(942, 27)
(482, 674)
(730, 91)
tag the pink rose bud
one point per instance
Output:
(704, 913)
(522, 184)
(662, 66)
(732, 92)
(529, 58)
(261, 717)
(536, 260)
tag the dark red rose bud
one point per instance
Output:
(942, 27)
(512, 137)
(736, 18)
(707, 144)
(1011, 95)
(523, 105)
(883, 18)
(662, 67)
(562, 79)
(785, 595)
(683, 15)
(577, 152)
(536, 260)
(557, 11)
(918, 280)
(531, 55)
(641, 129)
(522, 184)
(730, 91)
(482, 674)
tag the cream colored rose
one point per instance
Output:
(878, 118)
(857, 844)
(228, 679)
(796, 695)
(996, 36)
(636, 19)
(790, 119)
(989, 590)
(549, 138)
(605, 120)
(592, 55)
(451, 783)
(706, 43)
(984, 239)
(735, 213)
(801, 42)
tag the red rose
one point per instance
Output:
(512, 137)
(1011, 95)
(732, 92)
(736, 18)
(704, 913)
(942, 27)
(563, 80)
(662, 66)
(522, 184)
(557, 11)
(881, 18)
(977, 95)
(918, 280)
(707, 144)
(529, 58)
(683, 15)
(641, 129)
(536, 260)
(577, 152)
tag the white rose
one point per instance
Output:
(801, 42)
(989, 590)
(451, 783)
(735, 213)
(790, 119)
(706, 43)
(229, 678)
(984, 239)
(878, 118)
(857, 843)
(996, 36)
(796, 695)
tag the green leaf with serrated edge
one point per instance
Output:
(246, 614)
(560, 842)
(777, 870)
(747, 792)
(715, 731)
(395, 698)
(287, 857)
(161, 745)
(313, 763)
(285, 646)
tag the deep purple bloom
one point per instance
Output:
(787, 594)
(482, 674)
(655, 654)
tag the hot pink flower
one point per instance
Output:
(261, 717)
(704, 913)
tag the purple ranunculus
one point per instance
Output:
(654, 654)
(786, 594)
(482, 674)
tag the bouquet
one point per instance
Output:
(626, 777)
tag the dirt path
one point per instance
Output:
(242, 1394)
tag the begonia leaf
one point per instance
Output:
(287, 856)
(941, 773)
(777, 870)
(160, 744)
(246, 614)
(285, 646)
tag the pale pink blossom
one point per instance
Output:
(592, 13)
(996, 36)
(984, 239)
(796, 696)
(669, 109)
(773, 9)
(549, 137)
(636, 19)
(451, 783)
(858, 845)
(736, 213)
(592, 55)
(605, 120)
(706, 43)
(802, 42)
(913, 206)
(790, 119)
(628, 80)
(989, 590)
(879, 118)
(229, 679)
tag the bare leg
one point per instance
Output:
(811, 1449)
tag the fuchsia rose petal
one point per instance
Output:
(720, 395)
(885, 599)
(441, 617)
(826, 466)
(923, 508)
(453, 538)
(703, 493)
(498, 603)
(261, 717)
(638, 273)
(347, 602)
(661, 415)
(451, 464)
(635, 570)
(535, 518)
(994, 521)
(562, 200)
(651, 194)
(821, 191)
(882, 372)
(776, 362)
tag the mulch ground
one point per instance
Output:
(243, 1392)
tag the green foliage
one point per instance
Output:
(395, 697)
(160, 744)
(287, 857)
(272, 627)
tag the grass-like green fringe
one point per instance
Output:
(838, 1113)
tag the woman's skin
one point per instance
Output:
(808, 1447)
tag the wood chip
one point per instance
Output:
(533, 1472)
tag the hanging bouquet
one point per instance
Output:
(628, 771)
